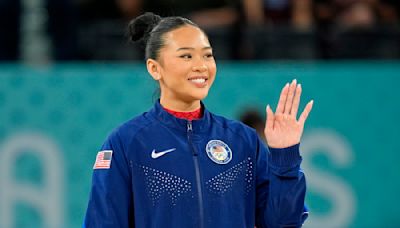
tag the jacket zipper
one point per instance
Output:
(197, 170)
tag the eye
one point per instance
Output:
(186, 56)
(209, 55)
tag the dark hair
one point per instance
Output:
(149, 29)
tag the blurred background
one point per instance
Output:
(68, 76)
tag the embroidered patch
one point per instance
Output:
(103, 160)
(219, 152)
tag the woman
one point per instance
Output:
(179, 165)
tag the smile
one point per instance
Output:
(199, 81)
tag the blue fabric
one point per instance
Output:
(184, 187)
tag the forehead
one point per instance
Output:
(186, 36)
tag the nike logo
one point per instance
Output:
(155, 154)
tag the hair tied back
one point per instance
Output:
(140, 27)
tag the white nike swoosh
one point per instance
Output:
(155, 154)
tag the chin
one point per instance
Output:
(199, 96)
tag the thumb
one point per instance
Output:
(306, 111)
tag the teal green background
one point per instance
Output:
(77, 105)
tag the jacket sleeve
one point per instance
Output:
(110, 202)
(281, 188)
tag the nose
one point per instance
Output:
(199, 66)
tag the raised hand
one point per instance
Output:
(282, 129)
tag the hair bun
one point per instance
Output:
(140, 27)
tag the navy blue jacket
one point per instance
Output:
(206, 173)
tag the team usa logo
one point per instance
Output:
(219, 152)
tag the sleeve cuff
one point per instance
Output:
(285, 157)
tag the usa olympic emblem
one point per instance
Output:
(219, 152)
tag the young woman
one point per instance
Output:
(179, 165)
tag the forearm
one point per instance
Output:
(253, 10)
(287, 188)
(302, 15)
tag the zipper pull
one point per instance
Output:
(189, 126)
(189, 135)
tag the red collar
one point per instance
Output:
(197, 114)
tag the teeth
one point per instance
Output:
(198, 80)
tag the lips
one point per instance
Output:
(199, 81)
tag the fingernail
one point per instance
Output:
(299, 85)
(294, 81)
(312, 101)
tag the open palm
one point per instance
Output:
(282, 129)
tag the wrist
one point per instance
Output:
(285, 157)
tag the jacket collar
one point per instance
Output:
(170, 120)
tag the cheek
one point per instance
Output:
(212, 68)
(174, 73)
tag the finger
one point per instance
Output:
(289, 99)
(269, 124)
(307, 110)
(282, 99)
(296, 101)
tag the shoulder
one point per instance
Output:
(129, 129)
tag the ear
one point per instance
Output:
(154, 68)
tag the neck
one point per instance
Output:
(180, 106)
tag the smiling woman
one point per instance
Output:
(179, 56)
(185, 68)
(179, 165)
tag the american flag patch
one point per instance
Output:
(103, 159)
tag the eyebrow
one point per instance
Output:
(190, 48)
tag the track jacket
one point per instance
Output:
(159, 171)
